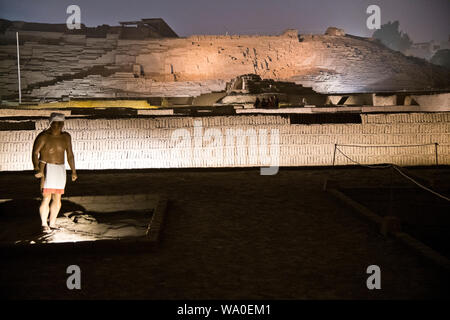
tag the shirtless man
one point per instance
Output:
(48, 162)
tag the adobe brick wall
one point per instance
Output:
(151, 143)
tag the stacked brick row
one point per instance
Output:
(234, 141)
(43, 62)
(164, 122)
(98, 86)
(9, 112)
(406, 118)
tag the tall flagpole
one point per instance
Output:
(18, 67)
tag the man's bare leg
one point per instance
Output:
(44, 210)
(54, 209)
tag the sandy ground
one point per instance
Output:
(231, 234)
(72, 226)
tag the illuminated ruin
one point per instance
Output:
(147, 59)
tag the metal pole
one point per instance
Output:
(18, 67)
(334, 153)
(436, 152)
(325, 183)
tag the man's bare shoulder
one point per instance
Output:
(66, 138)
(66, 135)
(42, 135)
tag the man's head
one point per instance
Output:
(56, 121)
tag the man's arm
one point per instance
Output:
(71, 157)
(37, 146)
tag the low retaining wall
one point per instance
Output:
(239, 141)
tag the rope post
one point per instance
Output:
(334, 153)
(325, 183)
(436, 153)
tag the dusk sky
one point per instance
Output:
(423, 20)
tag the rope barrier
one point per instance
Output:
(397, 168)
(385, 146)
(363, 165)
(420, 185)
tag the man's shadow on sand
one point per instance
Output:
(20, 219)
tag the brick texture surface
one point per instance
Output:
(240, 141)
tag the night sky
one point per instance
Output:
(423, 20)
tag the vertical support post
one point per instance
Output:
(334, 154)
(436, 153)
(325, 183)
(18, 67)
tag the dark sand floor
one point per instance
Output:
(426, 218)
(232, 234)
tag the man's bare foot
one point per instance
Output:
(55, 227)
(39, 175)
(45, 229)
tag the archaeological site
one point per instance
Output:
(168, 164)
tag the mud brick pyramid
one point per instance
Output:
(150, 60)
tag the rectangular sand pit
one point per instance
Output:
(84, 219)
